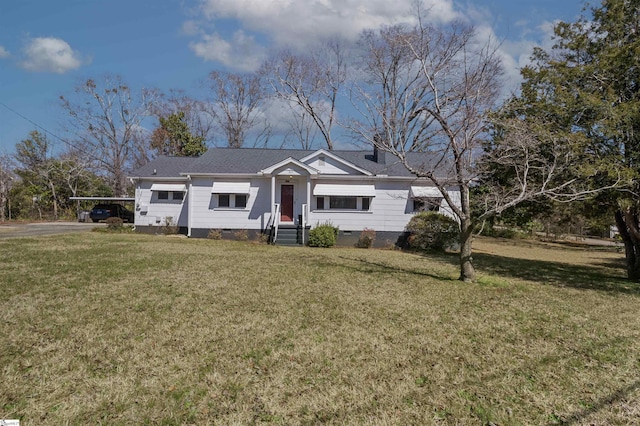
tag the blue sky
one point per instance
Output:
(47, 47)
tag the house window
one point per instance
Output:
(178, 195)
(426, 204)
(241, 201)
(237, 201)
(163, 195)
(366, 202)
(343, 203)
(336, 202)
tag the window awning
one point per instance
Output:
(231, 188)
(425, 192)
(175, 187)
(324, 189)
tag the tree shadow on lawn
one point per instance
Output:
(368, 266)
(586, 277)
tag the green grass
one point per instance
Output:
(133, 329)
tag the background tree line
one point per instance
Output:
(568, 135)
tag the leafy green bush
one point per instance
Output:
(323, 235)
(432, 231)
(366, 239)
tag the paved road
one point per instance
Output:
(44, 228)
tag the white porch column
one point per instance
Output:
(273, 196)
(308, 193)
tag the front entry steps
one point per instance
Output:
(289, 236)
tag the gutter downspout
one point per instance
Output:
(189, 205)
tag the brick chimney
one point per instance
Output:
(378, 154)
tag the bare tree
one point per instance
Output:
(39, 168)
(200, 122)
(431, 90)
(311, 81)
(235, 103)
(7, 178)
(303, 128)
(107, 120)
(75, 172)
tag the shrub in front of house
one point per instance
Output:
(366, 239)
(323, 235)
(169, 226)
(214, 234)
(432, 231)
(114, 223)
(241, 235)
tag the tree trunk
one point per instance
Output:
(55, 200)
(627, 223)
(467, 270)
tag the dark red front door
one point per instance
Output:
(286, 203)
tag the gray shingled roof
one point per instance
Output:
(164, 167)
(252, 160)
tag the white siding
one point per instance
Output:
(158, 211)
(207, 215)
(390, 210)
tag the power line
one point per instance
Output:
(38, 126)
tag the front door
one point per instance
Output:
(286, 203)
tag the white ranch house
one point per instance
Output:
(283, 193)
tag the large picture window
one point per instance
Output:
(340, 202)
(343, 203)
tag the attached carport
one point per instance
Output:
(83, 216)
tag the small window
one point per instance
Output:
(366, 202)
(163, 195)
(320, 203)
(344, 203)
(178, 195)
(426, 204)
(241, 201)
(223, 200)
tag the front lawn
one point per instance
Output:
(134, 329)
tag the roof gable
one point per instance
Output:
(327, 162)
(289, 166)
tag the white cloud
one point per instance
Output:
(4, 53)
(297, 23)
(240, 53)
(301, 23)
(49, 54)
(190, 28)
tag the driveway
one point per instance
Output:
(22, 230)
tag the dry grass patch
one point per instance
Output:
(119, 329)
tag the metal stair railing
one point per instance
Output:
(275, 223)
(303, 224)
